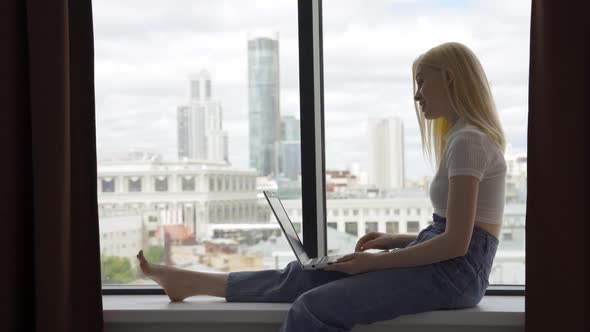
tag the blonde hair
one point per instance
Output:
(469, 95)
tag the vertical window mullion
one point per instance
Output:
(312, 128)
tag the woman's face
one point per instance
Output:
(432, 95)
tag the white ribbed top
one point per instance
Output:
(469, 151)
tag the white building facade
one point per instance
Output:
(200, 123)
(386, 153)
(196, 194)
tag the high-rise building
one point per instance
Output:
(290, 148)
(290, 128)
(200, 123)
(191, 132)
(386, 153)
(263, 104)
(290, 161)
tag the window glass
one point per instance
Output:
(392, 227)
(413, 226)
(351, 227)
(197, 111)
(188, 183)
(108, 185)
(371, 226)
(134, 184)
(161, 183)
(372, 136)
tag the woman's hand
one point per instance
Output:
(358, 262)
(376, 240)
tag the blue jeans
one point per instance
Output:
(336, 301)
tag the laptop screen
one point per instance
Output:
(287, 226)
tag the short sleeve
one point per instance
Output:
(467, 156)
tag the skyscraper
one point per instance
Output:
(290, 148)
(386, 153)
(290, 161)
(263, 104)
(290, 128)
(200, 123)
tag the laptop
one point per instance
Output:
(287, 226)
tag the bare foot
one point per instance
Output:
(174, 281)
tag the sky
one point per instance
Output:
(146, 50)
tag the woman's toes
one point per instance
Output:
(143, 263)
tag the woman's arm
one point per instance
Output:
(402, 240)
(437, 249)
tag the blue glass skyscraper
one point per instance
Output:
(263, 104)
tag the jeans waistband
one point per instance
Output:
(487, 242)
(478, 232)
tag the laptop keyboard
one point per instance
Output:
(324, 259)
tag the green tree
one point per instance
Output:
(155, 254)
(116, 270)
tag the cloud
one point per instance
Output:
(145, 51)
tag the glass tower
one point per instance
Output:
(263, 104)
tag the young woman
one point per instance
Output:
(446, 266)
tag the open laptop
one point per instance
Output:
(307, 263)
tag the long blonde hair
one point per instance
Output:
(469, 95)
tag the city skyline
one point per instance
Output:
(361, 80)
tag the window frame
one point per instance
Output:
(311, 95)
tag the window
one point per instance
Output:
(233, 96)
(188, 96)
(392, 227)
(134, 184)
(413, 226)
(297, 226)
(351, 227)
(161, 183)
(371, 226)
(188, 183)
(108, 185)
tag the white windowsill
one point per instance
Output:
(492, 311)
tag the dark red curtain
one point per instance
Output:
(50, 278)
(557, 215)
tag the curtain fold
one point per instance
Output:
(48, 207)
(557, 255)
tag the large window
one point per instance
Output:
(200, 107)
(197, 109)
(372, 136)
